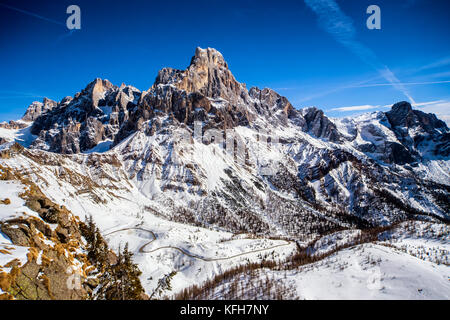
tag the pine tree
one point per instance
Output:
(118, 280)
(164, 284)
(121, 280)
(96, 246)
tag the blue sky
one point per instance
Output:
(314, 52)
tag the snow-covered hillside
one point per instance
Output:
(367, 271)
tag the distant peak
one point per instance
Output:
(399, 113)
(403, 115)
(47, 101)
(208, 57)
(96, 89)
(99, 85)
(401, 107)
(37, 108)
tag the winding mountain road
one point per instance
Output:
(191, 255)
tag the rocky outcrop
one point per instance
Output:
(319, 125)
(50, 265)
(14, 125)
(206, 91)
(274, 107)
(209, 75)
(422, 134)
(36, 109)
(67, 259)
(78, 124)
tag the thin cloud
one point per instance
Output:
(439, 107)
(356, 108)
(284, 89)
(18, 94)
(334, 21)
(363, 84)
(15, 97)
(423, 104)
(444, 74)
(337, 89)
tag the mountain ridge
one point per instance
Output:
(169, 142)
(194, 94)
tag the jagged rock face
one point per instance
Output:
(319, 125)
(78, 124)
(38, 108)
(418, 131)
(33, 111)
(53, 241)
(209, 75)
(402, 115)
(14, 125)
(402, 136)
(271, 105)
(206, 91)
(399, 113)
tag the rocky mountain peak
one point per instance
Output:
(319, 125)
(37, 108)
(402, 106)
(98, 85)
(207, 74)
(78, 124)
(274, 106)
(96, 90)
(399, 112)
(208, 57)
(168, 76)
(403, 115)
(422, 134)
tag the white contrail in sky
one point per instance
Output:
(401, 83)
(334, 21)
(436, 64)
(32, 14)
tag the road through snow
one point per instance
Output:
(142, 248)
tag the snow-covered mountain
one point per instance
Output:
(200, 149)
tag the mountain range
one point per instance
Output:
(202, 151)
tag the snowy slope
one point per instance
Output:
(363, 272)
(373, 272)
